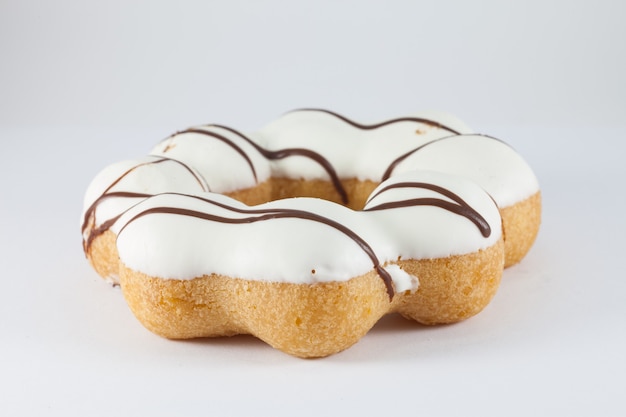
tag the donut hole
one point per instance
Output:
(357, 192)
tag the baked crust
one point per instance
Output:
(311, 320)
(520, 226)
(103, 257)
(454, 288)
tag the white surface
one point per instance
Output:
(81, 88)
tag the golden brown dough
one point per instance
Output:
(520, 225)
(311, 320)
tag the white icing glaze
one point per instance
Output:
(366, 154)
(424, 232)
(183, 247)
(489, 162)
(218, 162)
(353, 152)
(218, 159)
(149, 175)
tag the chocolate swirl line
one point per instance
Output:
(97, 231)
(384, 123)
(287, 152)
(458, 206)
(281, 154)
(268, 214)
(461, 207)
(228, 142)
(304, 152)
(401, 158)
(124, 194)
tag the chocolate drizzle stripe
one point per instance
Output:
(268, 215)
(385, 123)
(274, 155)
(229, 143)
(97, 231)
(401, 158)
(94, 205)
(203, 184)
(124, 194)
(287, 152)
(461, 207)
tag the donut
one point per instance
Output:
(306, 232)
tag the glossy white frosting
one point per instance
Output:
(366, 154)
(289, 249)
(219, 163)
(208, 160)
(148, 175)
(354, 152)
(489, 162)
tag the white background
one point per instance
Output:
(84, 84)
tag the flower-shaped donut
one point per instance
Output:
(415, 215)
